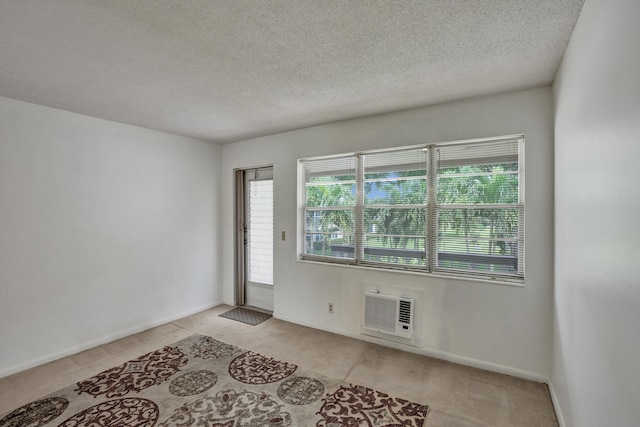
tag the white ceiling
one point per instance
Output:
(231, 70)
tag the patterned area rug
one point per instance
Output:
(245, 315)
(201, 381)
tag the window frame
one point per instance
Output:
(432, 208)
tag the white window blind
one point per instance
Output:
(451, 208)
(478, 225)
(395, 207)
(329, 212)
(260, 232)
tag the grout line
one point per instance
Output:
(175, 323)
(358, 359)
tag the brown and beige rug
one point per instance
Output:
(203, 382)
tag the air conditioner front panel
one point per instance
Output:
(388, 314)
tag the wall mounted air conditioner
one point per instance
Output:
(388, 314)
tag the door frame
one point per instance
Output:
(240, 230)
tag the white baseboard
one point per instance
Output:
(482, 364)
(556, 405)
(104, 340)
(437, 354)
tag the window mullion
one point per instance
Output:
(432, 200)
(359, 210)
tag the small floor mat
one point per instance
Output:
(245, 315)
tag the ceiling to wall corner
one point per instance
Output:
(231, 70)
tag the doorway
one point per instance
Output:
(254, 238)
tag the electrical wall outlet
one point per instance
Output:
(331, 307)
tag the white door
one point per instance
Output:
(258, 238)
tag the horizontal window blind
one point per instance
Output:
(329, 211)
(479, 211)
(260, 232)
(395, 204)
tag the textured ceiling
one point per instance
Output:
(231, 70)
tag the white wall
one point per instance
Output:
(105, 229)
(596, 363)
(498, 327)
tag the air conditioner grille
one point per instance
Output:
(380, 313)
(404, 314)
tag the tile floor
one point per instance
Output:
(457, 395)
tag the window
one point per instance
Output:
(450, 208)
(395, 207)
(330, 207)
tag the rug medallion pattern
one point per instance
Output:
(201, 381)
(36, 414)
(211, 348)
(300, 390)
(136, 375)
(194, 382)
(231, 408)
(129, 411)
(357, 405)
(254, 368)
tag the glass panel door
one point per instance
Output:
(259, 238)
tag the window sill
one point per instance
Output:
(503, 282)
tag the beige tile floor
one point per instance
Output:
(457, 395)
